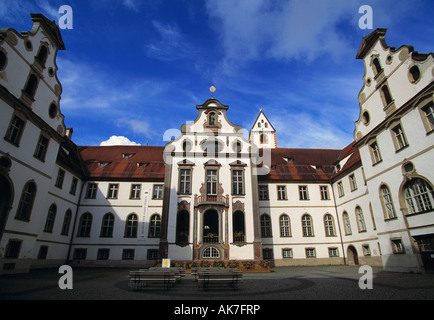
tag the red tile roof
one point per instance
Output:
(301, 164)
(147, 163)
(124, 162)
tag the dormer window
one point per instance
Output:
(127, 155)
(102, 164)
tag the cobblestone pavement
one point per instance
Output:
(286, 283)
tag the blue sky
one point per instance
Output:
(136, 69)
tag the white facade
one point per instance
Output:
(210, 194)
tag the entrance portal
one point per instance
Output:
(353, 259)
(211, 226)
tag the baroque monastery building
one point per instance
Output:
(210, 194)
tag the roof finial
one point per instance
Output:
(212, 89)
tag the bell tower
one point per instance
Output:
(263, 134)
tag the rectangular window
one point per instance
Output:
(353, 182)
(135, 191)
(103, 254)
(15, 130)
(185, 181)
(341, 189)
(397, 246)
(428, 111)
(366, 250)
(112, 191)
(287, 253)
(41, 148)
(237, 182)
(281, 192)
(263, 193)
(310, 253)
(152, 254)
(128, 254)
(302, 191)
(60, 178)
(13, 249)
(42, 254)
(399, 138)
(333, 252)
(80, 254)
(211, 182)
(324, 190)
(73, 187)
(375, 153)
(91, 190)
(158, 192)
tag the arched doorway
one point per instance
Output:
(238, 226)
(211, 228)
(353, 258)
(182, 227)
(5, 202)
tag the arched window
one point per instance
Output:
(107, 225)
(211, 252)
(154, 226)
(347, 224)
(51, 216)
(66, 222)
(306, 222)
(360, 219)
(377, 66)
(386, 95)
(265, 226)
(238, 226)
(85, 225)
(285, 226)
(182, 227)
(26, 202)
(386, 201)
(263, 139)
(131, 226)
(418, 196)
(31, 86)
(42, 55)
(329, 226)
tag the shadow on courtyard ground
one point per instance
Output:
(285, 283)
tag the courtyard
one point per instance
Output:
(284, 283)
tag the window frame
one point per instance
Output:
(185, 179)
(135, 192)
(307, 225)
(15, 130)
(303, 193)
(281, 193)
(41, 147)
(112, 191)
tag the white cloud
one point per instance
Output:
(118, 141)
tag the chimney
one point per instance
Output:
(69, 132)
